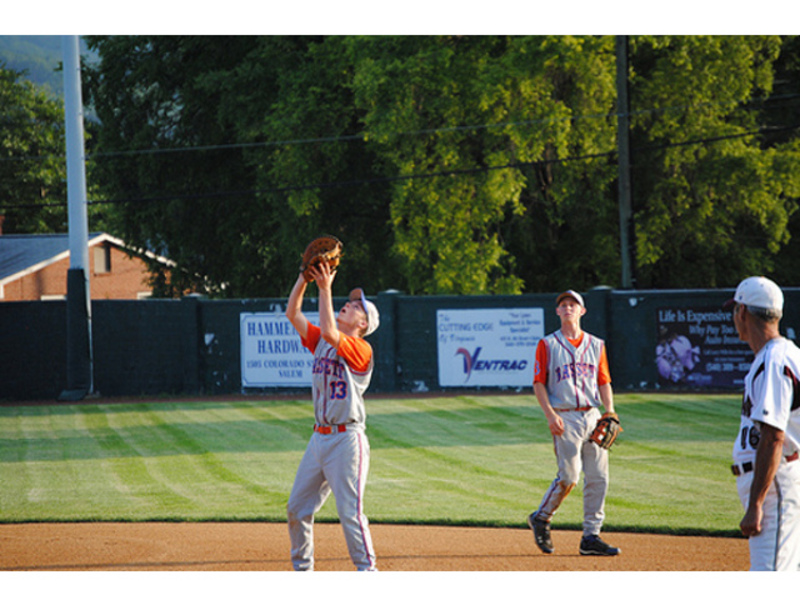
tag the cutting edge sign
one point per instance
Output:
(488, 347)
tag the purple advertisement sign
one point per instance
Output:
(700, 347)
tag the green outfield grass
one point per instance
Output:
(471, 459)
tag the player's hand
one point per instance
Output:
(751, 522)
(556, 424)
(323, 276)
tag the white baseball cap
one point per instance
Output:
(373, 317)
(570, 294)
(759, 292)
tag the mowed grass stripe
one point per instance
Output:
(183, 475)
(463, 459)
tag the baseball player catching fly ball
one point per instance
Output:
(337, 456)
(571, 381)
(765, 453)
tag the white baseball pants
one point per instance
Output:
(338, 463)
(575, 453)
(777, 547)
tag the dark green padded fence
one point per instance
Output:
(192, 345)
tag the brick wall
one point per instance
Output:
(126, 279)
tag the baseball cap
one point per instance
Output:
(758, 292)
(373, 317)
(570, 294)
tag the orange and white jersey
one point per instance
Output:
(339, 378)
(572, 370)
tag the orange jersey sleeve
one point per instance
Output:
(311, 340)
(540, 363)
(356, 352)
(603, 372)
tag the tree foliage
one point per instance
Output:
(32, 165)
(708, 185)
(311, 162)
(447, 164)
(190, 206)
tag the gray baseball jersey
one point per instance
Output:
(572, 375)
(572, 372)
(339, 378)
(337, 456)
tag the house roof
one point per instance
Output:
(23, 254)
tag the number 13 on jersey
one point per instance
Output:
(338, 390)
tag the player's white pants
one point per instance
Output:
(337, 462)
(777, 547)
(575, 453)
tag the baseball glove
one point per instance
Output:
(606, 431)
(326, 248)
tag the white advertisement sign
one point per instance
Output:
(488, 347)
(272, 354)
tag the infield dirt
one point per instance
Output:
(265, 547)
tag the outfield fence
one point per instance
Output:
(657, 340)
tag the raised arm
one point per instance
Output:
(327, 319)
(294, 307)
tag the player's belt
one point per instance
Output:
(329, 429)
(748, 466)
(579, 409)
(742, 468)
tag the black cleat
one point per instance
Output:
(592, 545)
(541, 533)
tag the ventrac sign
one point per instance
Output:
(488, 347)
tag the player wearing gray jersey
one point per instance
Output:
(572, 382)
(765, 452)
(337, 456)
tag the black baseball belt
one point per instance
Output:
(748, 466)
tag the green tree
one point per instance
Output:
(568, 235)
(32, 165)
(781, 116)
(446, 226)
(486, 129)
(447, 164)
(312, 165)
(707, 187)
(167, 195)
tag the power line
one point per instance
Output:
(458, 128)
(323, 185)
(364, 136)
(392, 179)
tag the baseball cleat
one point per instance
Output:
(592, 545)
(541, 533)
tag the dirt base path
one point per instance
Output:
(265, 547)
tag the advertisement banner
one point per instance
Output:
(700, 347)
(272, 355)
(488, 347)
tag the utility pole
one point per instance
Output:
(623, 147)
(80, 376)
